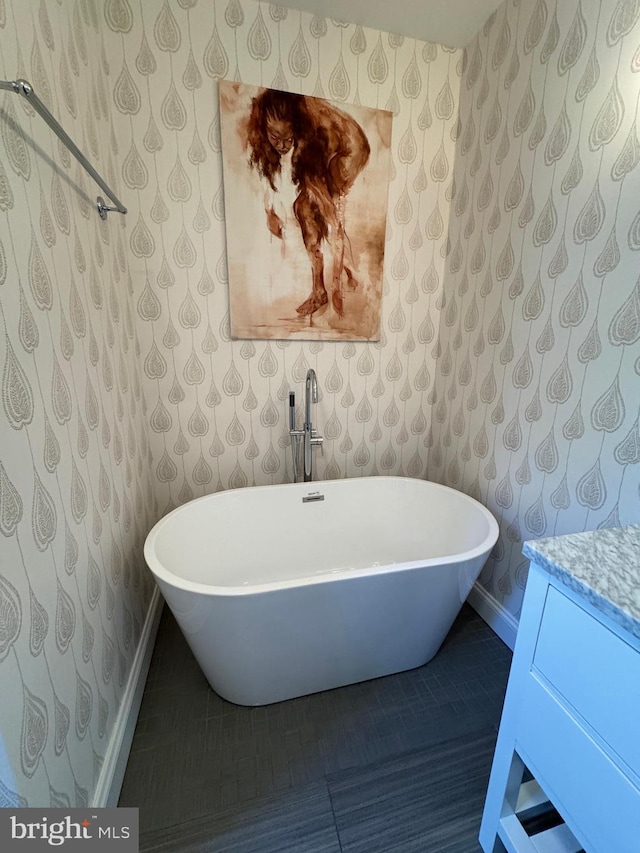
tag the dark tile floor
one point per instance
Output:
(356, 769)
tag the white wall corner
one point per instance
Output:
(114, 765)
(497, 617)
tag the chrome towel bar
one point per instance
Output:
(24, 88)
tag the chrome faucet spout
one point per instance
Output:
(310, 394)
(307, 436)
(310, 436)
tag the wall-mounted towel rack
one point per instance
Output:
(24, 88)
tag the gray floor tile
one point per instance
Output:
(430, 800)
(297, 821)
(195, 756)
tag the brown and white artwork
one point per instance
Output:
(305, 185)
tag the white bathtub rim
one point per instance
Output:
(329, 576)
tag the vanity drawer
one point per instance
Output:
(594, 671)
(600, 804)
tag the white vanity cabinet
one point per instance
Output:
(571, 718)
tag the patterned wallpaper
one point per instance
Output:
(217, 407)
(75, 483)
(97, 317)
(508, 363)
(538, 388)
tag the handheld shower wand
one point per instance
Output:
(296, 436)
(292, 411)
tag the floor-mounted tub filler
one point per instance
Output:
(287, 590)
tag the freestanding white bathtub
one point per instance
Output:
(286, 590)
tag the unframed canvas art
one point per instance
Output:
(306, 185)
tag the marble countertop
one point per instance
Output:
(601, 565)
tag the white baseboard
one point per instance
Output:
(109, 784)
(494, 614)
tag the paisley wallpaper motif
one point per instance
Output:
(75, 482)
(217, 407)
(98, 318)
(509, 359)
(538, 384)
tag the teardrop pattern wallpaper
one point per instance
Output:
(508, 363)
(538, 384)
(75, 482)
(98, 318)
(217, 407)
